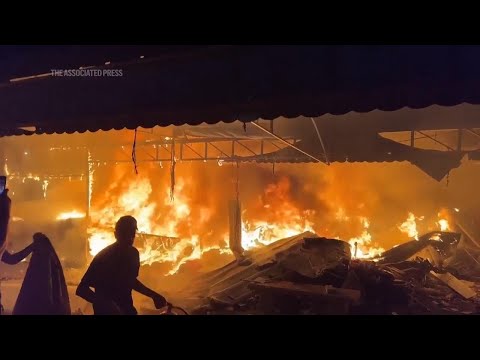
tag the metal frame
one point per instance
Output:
(437, 141)
(163, 153)
(460, 133)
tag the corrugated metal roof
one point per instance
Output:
(245, 83)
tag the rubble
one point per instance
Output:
(319, 260)
(461, 287)
(306, 274)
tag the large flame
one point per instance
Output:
(176, 232)
(136, 201)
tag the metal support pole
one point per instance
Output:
(286, 142)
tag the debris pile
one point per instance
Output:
(307, 274)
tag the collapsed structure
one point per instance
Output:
(310, 275)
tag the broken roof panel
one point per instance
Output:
(366, 147)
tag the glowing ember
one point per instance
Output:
(410, 226)
(456, 210)
(71, 215)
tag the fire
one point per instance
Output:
(176, 222)
(5, 168)
(71, 215)
(135, 201)
(410, 226)
(340, 215)
(262, 233)
(185, 250)
(443, 223)
(444, 220)
(361, 247)
(98, 240)
(197, 224)
(44, 188)
(91, 171)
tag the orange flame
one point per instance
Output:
(197, 223)
(444, 220)
(74, 214)
(444, 226)
(262, 233)
(361, 247)
(409, 226)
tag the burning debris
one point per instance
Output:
(306, 274)
(268, 218)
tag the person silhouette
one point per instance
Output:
(5, 205)
(113, 275)
(44, 290)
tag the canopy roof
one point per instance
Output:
(210, 84)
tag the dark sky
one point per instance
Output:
(25, 60)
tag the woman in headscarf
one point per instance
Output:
(44, 290)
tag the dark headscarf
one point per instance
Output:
(44, 290)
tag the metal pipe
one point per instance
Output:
(286, 142)
(321, 141)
